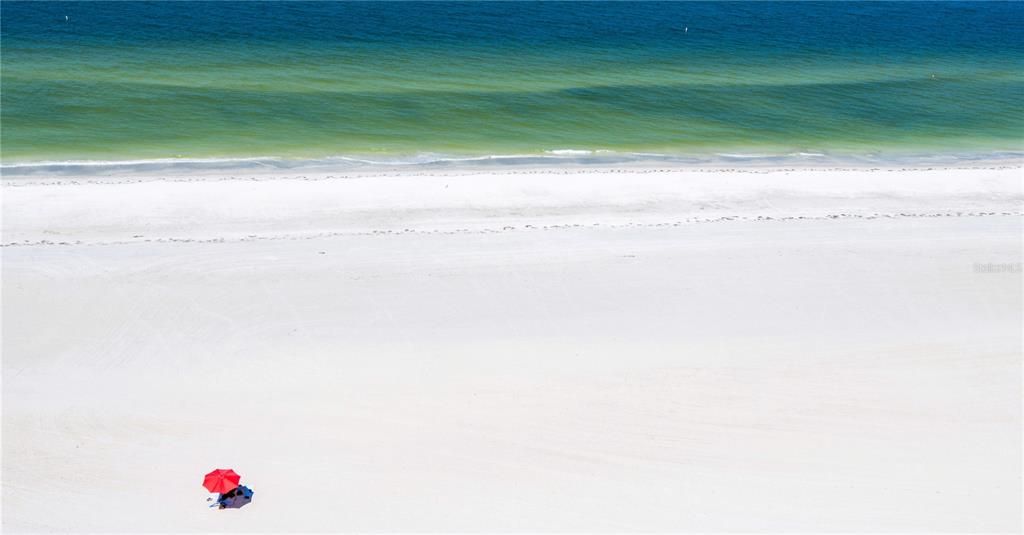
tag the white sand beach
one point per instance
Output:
(631, 349)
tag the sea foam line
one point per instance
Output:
(554, 157)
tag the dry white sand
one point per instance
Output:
(617, 350)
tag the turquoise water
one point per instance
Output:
(98, 81)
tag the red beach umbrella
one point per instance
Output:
(221, 480)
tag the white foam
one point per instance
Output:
(553, 157)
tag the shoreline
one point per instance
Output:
(558, 159)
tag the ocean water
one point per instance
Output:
(181, 83)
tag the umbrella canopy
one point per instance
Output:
(243, 495)
(221, 480)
